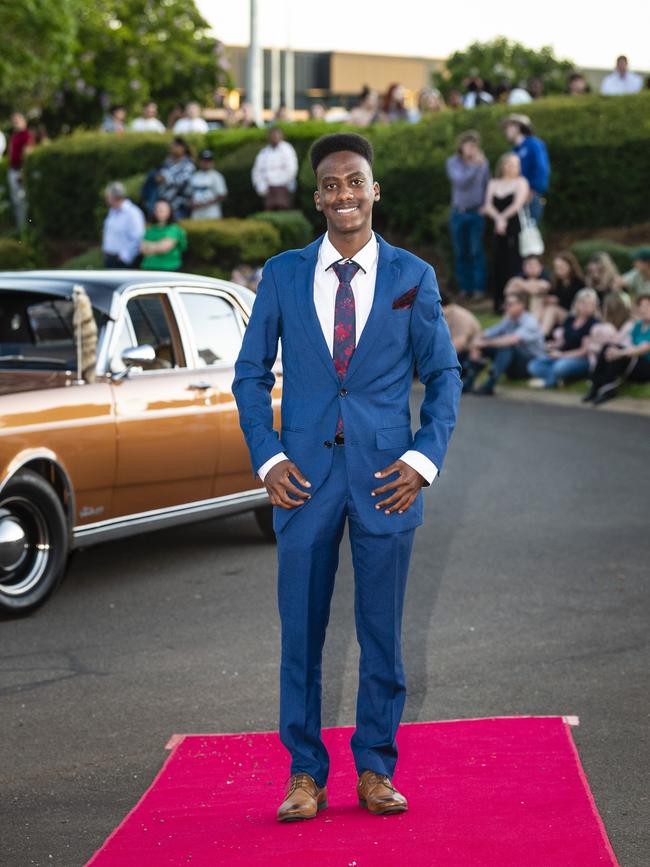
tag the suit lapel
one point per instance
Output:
(304, 294)
(385, 284)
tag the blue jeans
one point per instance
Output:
(536, 208)
(552, 369)
(466, 229)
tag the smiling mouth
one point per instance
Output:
(347, 210)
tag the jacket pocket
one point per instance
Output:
(394, 437)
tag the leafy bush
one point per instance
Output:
(16, 255)
(295, 229)
(584, 250)
(228, 242)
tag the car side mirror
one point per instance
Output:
(135, 356)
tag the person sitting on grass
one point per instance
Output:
(566, 357)
(601, 274)
(566, 281)
(617, 322)
(637, 281)
(535, 280)
(463, 326)
(164, 242)
(616, 364)
(511, 344)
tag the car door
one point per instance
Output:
(166, 425)
(216, 322)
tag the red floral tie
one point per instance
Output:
(344, 322)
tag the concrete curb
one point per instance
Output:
(626, 405)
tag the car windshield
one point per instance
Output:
(37, 332)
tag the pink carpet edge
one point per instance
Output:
(568, 721)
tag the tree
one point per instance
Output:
(502, 60)
(73, 58)
(38, 42)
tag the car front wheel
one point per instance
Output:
(33, 543)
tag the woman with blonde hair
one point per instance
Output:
(602, 274)
(615, 327)
(505, 196)
(567, 356)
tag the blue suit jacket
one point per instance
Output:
(375, 409)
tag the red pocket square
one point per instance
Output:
(406, 300)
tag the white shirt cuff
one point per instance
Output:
(266, 466)
(421, 463)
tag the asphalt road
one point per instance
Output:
(528, 594)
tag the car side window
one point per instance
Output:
(215, 328)
(36, 331)
(149, 319)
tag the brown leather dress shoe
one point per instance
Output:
(377, 793)
(303, 800)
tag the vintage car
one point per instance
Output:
(116, 415)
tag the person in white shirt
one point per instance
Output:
(191, 121)
(621, 81)
(208, 189)
(275, 171)
(148, 121)
(123, 229)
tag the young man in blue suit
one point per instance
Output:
(354, 315)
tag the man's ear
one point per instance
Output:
(317, 200)
(377, 191)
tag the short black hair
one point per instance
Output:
(337, 142)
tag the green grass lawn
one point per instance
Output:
(640, 391)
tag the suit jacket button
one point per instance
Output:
(343, 392)
(327, 444)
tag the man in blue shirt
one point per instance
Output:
(123, 229)
(532, 153)
(511, 344)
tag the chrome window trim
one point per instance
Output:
(154, 519)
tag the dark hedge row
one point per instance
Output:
(599, 148)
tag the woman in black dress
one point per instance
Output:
(506, 195)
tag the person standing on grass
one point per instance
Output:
(275, 171)
(21, 141)
(123, 229)
(164, 242)
(355, 315)
(533, 158)
(469, 173)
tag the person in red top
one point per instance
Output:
(20, 141)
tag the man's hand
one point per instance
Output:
(404, 489)
(280, 487)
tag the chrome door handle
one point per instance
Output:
(200, 386)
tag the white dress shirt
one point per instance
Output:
(123, 231)
(326, 284)
(275, 167)
(616, 84)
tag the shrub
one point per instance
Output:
(295, 229)
(584, 250)
(229, 242)
(16, 255)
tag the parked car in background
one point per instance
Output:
(116, 415)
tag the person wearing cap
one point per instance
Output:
(208, 189)
(637, 280)
(123, 229)
(533, 156)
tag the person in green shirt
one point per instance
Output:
(164, 242)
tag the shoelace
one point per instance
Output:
(375, 780)
(301, 781)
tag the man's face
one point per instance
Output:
(621, 65)
(513, 308)
(193, 109)
(275, 137)
(469, 150)
(150, 109)
(206, 165)
(532, 267)
(643, 267)
(176, 150)
(18, 121)
(511, 131)
(644, 309)
(346, 191)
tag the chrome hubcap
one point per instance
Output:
(24, 546)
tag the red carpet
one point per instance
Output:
(503, 792)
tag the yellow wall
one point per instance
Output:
(349, 72)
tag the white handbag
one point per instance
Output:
(531, 242)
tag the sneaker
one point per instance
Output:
(536, 382)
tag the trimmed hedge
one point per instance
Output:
(599, 149)
(16, 255)
(229, 242)
(91, 260)
(295, 229)
(620, 253)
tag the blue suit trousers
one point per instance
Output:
(308, 556)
